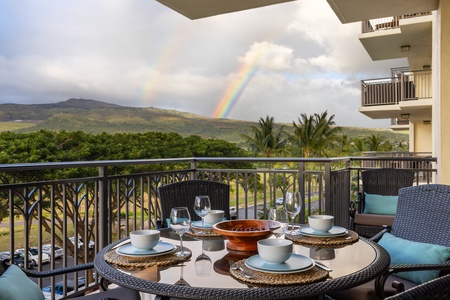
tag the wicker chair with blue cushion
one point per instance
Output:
(377, 203)
(418, 243)
(183, 193)
(16, 284)
(436, 289)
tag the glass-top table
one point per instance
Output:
(351, 265)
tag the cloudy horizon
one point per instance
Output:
(281, 60)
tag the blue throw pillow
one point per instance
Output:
(407, 252)
(14, 284)
(380, 205)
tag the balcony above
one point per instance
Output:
(405, 36)
(408, 93)
(349, 11)
(399, 124)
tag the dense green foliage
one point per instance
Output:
(50, 146)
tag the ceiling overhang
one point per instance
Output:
(197, 9)
(349, 11)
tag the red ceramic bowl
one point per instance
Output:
(243, 235)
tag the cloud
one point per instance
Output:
(140, 53)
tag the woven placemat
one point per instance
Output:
(350, 238)
(136, 263)
(264, 278)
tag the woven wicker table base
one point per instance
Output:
(264, 278)
(137, 263)
(350, 238)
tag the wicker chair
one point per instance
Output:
(116, 293)
(385, 182)
(183, 193)
(436, 289)
(422, 216)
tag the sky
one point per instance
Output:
(279, 61)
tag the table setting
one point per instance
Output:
(322, 232)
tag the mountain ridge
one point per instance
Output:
(97, 116)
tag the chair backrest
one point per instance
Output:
(386, 182)
(183, 193)
(423, 214)
(435, 289)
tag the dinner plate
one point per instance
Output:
(160, 249)
(198, 224)
(296, 263)
(335, 231)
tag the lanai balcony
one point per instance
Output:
(104, 201)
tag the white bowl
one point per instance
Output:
(214, 216)
(321, 223)
(275, 251)
(144, 239)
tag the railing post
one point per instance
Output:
(104, 234)
(328, 204)
(194, 167)
(301, 189)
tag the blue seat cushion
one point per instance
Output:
(408, 252)
(14, 284)
(379, 204)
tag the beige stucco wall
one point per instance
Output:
(443, 142)
(422, 137)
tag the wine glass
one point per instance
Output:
(180, 221)
(278, 221)
(293, 206)
(203, 263)
(202, 206)
(181, 281)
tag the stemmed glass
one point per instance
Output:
(181, 281)
(180, 221)
(293, 206)
(203, 263)
(278, 221)
(202, 206)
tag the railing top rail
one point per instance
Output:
(104, 163)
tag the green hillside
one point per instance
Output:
(96, 117)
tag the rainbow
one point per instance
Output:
(169, 47)
(235, 90)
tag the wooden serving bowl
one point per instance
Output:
(243, 235)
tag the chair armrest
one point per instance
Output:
(381, 280)
(60, 271)
(378, 236)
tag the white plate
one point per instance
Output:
(296, 263)
(160, 249)
(335, 231)
(198, 224)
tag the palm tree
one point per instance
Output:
(374, 142)
(266, 140)
(314, 134)
(358, 145)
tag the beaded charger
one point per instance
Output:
(349, 238)
(137, 263)
(265, 278)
